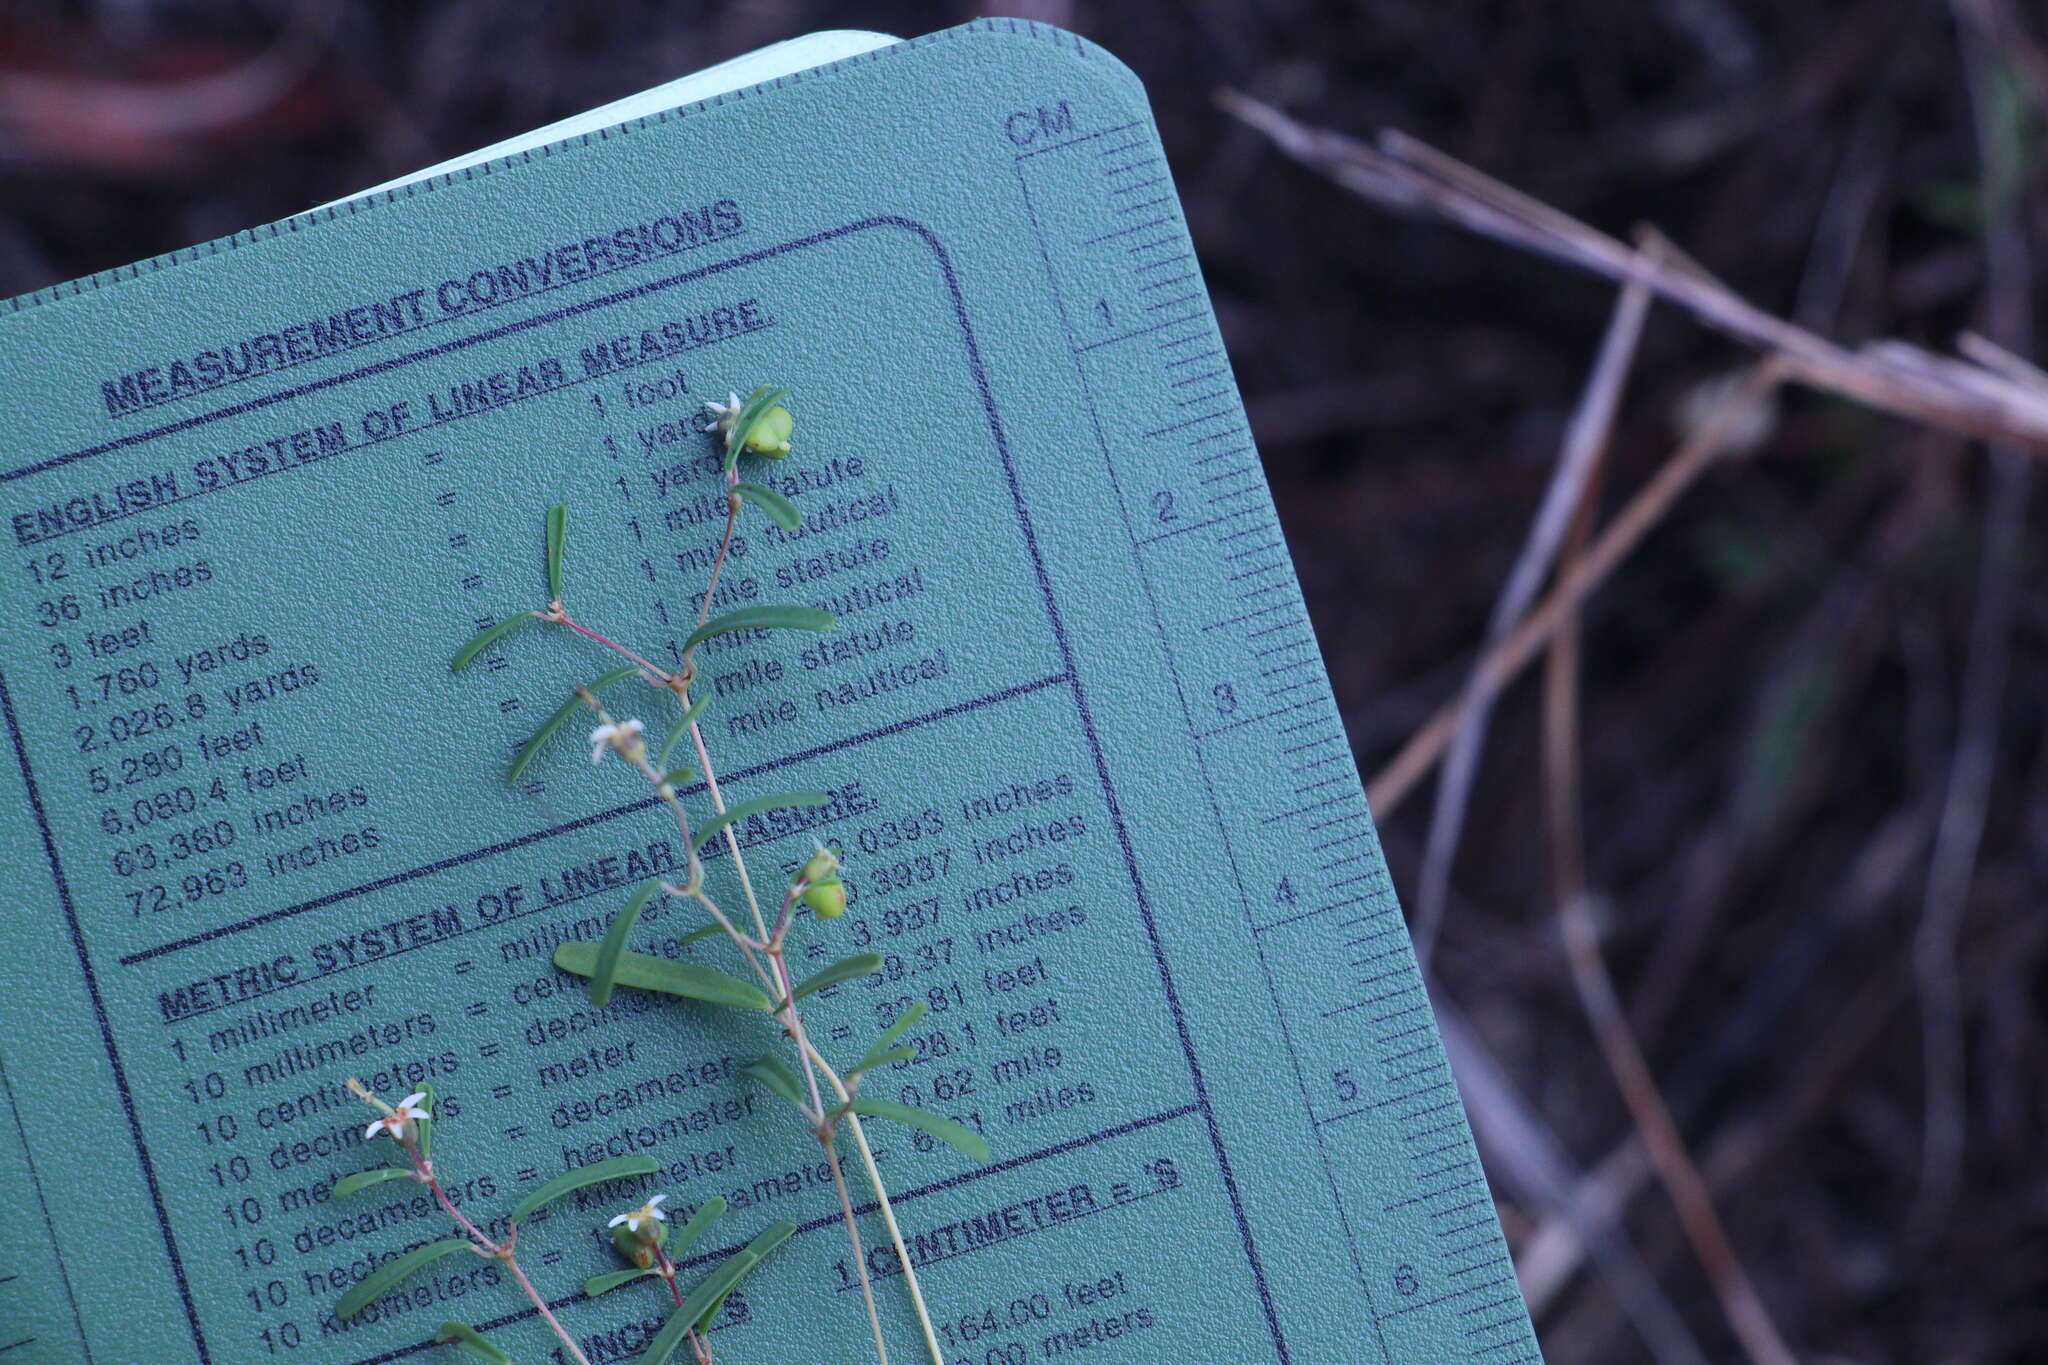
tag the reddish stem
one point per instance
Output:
(613, 645)
(698, 1347)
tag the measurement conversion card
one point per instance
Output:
(1099, 812)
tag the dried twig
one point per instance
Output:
(1410, 176)
(1584, 441)
(1597, 997)
(1666, 1145)
(1692, 458)
(1961, 830)
(1525, 1155)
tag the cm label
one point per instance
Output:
(1026, 126)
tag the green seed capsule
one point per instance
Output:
(827, 898)
(638, 1247)
(770, 436)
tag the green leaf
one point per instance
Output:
(531, 749)
(780, 510)
(775, 1073)
(386, 1276)
(773, 1236)
(684, 1237)
(734, 814)
(879, 1049)
(938, 1125)
(605, 969)
(582, 1177)
(775, 616)
(706, 932)
(470, 1342)
(604, 1284)
(875, 1060)
(675, 736)
(710, 1291)
(644, 971)
(362, 1180)
(558, 531)
(680, 777)
(846, 969)
(484, 639)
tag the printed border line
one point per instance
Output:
(99, 1010)
(35, 1181)
(1266, 1303)
(997, 432)
(1116, 814)
(939, 1186)
(583, 822)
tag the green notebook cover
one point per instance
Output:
(1098, 808)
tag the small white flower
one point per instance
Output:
(643, 1218)
(399, 1122)
(723, 415)
(621, 736)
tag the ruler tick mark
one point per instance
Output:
(1361, 1004)
(1436, 1151)
(1447, 1298)
(1421, 1198)
(1076, 141)
(1122, 147)
(1199, 525)
(1484, 1265)
(1142, 331)
(1453, 1232)
(1456, 1209)
(1125, 232)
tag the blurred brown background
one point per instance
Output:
(1815, 791)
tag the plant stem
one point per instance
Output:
(860, 1260)
(561, 617)
(732, 517)
(569, 1342)
(774, 974)
(699, 1346)
(888, 1212)
(498, 1251)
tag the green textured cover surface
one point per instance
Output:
(1099, 808)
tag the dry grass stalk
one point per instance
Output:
(1410, 176)
(1966, 802)
(1585, 440)
(1599, 1001)
(1635, 520)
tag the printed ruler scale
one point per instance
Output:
(1099, 810)
(1362, 1048)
